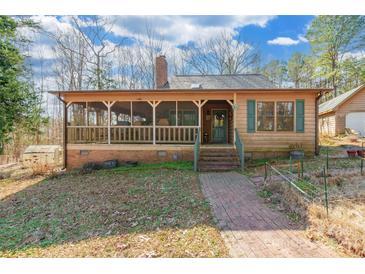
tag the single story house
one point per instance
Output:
(344, 111)
(188, 114)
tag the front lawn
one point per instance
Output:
(155, 211)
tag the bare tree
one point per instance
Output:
(94, 31)
(71, 67)
(221, 55)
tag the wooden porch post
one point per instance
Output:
(154, 122)
(109, 105)
(200, 104)
(234, 108)
(234, 117)
(154, 104)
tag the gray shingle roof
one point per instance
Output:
(231, 81)
(335, 102)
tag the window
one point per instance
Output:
(285, 116)
(265, 116)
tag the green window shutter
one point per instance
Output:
(299, 115)
(251, 115)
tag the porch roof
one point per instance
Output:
(187, 91)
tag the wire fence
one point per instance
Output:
(297, 174)
(309, 191)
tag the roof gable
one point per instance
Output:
(339, 100)
(228, 81)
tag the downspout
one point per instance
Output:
(316, 132)
(64, 131)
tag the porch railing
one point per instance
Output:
(196, 150)
(132, 134)
(176, 134)
(87, 134)
(240, 148)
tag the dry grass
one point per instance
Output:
(142, 213)
(344, 230)
(345, 225)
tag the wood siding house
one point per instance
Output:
(344, 111)
(166, 123)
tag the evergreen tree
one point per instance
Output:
(331, 37)
(19, 103)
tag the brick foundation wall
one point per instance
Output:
(77, 158)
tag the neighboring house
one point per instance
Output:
(163, 124)
(344, 111)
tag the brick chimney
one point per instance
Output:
(161, 72)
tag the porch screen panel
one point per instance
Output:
(76, 114)
(142, 114)
(120, 114)
(97, 118)
(187, 114)
(142, 122)
(166, 131)
(97, 114)
(265, 116)
(120, 122)
(188, 121)
(166, 114)
(76, 123)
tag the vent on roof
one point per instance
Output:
(196, 86)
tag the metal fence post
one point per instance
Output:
(327, 157)
(265, 171)
(290, 165)
(325, 189)
(302, 168)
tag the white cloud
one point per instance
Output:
(283, 41)
(52, 23)
(42, 51)
(354, 54)
(182, 29)
(302, 38)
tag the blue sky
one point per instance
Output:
(260, 31)
(282, 26)
(276, 37)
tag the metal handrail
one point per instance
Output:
(196, 150)
(240, 148)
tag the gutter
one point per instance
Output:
(316, 131)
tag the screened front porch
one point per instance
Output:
(137, 122)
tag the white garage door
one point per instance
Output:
(356, 121)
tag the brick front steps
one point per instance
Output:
(213, 159)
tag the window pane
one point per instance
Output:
(166, 114)
(285, 116)
(76, 114)
(142, 114)
(121, 114)
(97, 114)
(187, 113)
(265, 116)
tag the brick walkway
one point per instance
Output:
(248, 226)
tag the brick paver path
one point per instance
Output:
(248, 226)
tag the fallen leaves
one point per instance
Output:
(149, 213)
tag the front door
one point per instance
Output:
(219, 127)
